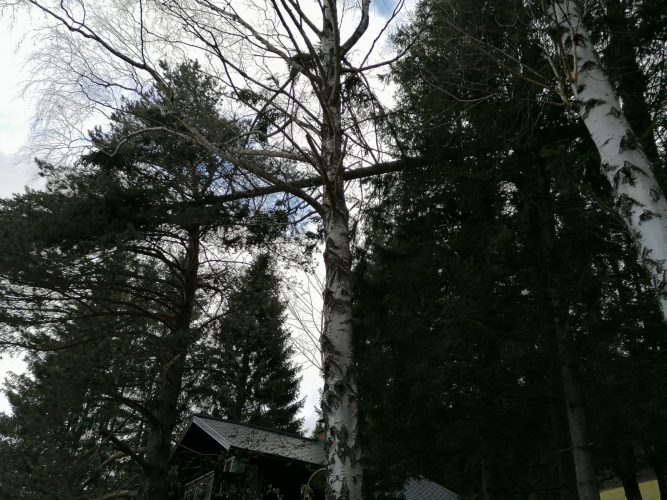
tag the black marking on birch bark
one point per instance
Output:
(344, 491)
(625, 204)
(628, 141)
(589, 65)
(633, 168)
(580, 88)
(646, 251)
(623, 176)
(616, 113)
(654, 194)
(626, 174)
(591, 104)
(648, 215)
(661, 284)
(607, 141)
(576, 105)
(606, 167)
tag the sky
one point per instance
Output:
(17, 170)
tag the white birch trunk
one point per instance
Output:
(339, 398)
(637, 195)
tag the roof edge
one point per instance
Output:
(259, 427)
(198, 420)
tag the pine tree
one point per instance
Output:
(250, 377)
(121, 234)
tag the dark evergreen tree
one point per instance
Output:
(66, 413)
(489, 286)
(247, 370)
(122, 234)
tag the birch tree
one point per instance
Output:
(288, 66)
(637, 194)
(585, 88)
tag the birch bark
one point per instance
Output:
(339, 398)
(637, 195)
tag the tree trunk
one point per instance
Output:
(638, 197)
(164, 405)
(625, 463)
(631, 487)
(339, 397)
(582, 455)
(160, 428)
(567, 478)
(340, 389)
(490, 487)
(659, 469)
(584, 465)
(236, 411)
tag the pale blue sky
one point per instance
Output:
(385, 7)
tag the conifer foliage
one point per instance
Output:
(113, 253)
(247, 371)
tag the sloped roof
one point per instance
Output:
(281, 444)
(423, 489)
(247, 437)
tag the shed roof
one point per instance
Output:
(281, 444)
(423, 489)
(247, 437)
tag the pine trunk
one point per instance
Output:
(160, 428)
(638, 197)
(339, 398)
(625, 464)
(582, 455)
(164, 405)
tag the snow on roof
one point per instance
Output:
(423, 489)
(247, 437)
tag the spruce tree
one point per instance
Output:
(488, 268)
(247, 370)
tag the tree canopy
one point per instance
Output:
(494, 297)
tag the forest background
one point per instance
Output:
(505, 283)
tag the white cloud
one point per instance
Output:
(16, 173)
(15, 111)
(9, 364)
